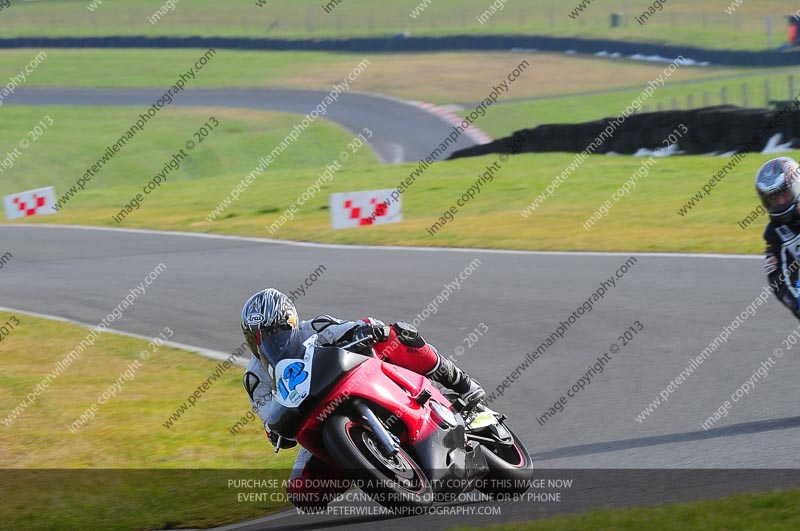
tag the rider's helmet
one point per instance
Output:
(778, 187)
(269, 323)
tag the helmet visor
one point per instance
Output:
(780, 201)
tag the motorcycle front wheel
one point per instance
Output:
(395, 482)
(510, 468)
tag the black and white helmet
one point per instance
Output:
(269, 322)
(778, 187)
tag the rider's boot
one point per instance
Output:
(446, 373)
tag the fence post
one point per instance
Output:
(770, 31)
(790, 81)
(724, 95)
(674, 104)
(745, 95)
(690, 101)
(766, 93)
(706, 99)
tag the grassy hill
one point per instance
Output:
(680, 21)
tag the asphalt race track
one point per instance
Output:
(682, 301)
(403, 132)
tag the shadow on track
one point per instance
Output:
(744, 428)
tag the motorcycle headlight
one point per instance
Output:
(444, 414)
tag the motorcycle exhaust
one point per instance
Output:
(385, 440)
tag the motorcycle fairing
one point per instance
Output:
(439, 446)
(448, 462)
(326, 367)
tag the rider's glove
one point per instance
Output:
(797, 299)
(285, 443)
(378, 331)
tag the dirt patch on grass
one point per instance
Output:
(469, 77)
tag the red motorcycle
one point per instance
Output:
(404, 442)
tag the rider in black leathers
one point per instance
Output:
(778, 187)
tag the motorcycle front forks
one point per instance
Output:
(386, 441)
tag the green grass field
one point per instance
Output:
(681, 21)
(438, 77)
(514, 116)
(752, 512)
(646, 220)
(126, 437)
(60, 155)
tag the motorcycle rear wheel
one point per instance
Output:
(397, 483)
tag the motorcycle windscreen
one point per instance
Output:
(330, 366)
(280, 345)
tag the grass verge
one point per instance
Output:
(753, 512)
(503, 119)
(144, 476)
(80, 136)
